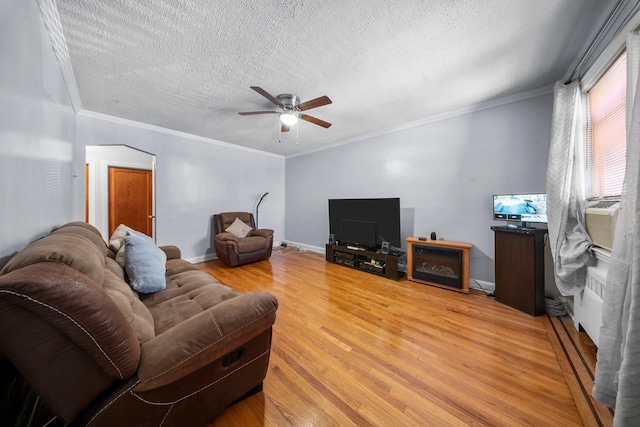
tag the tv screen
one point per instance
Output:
(359, 233)
(371, 220)
(520, 207)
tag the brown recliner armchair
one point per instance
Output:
(233, 250)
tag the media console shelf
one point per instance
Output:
(372, 262)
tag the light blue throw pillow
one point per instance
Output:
(143, 264)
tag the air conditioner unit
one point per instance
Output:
(601, 223)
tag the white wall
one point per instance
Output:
(37, 133)
(445, 173)
(195, 179)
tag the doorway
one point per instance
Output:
(130, 199)
(121, 189)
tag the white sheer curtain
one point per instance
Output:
(570, 244)
(617, 377)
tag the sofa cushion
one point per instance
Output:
(111, 265)
(239, 229)
(188, 293)
(85, 230)
(76, 307)
(130, 305)
(120, 256)
(143, 264)
(116, 241)
(74, 250)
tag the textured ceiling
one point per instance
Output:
(187, 64)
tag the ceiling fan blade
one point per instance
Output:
(315, 120)
(285, 128)
(249, 113)
(268, 96)
(314, 103)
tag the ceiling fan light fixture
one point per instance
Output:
(288, 119)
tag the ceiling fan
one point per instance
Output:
(290, 109)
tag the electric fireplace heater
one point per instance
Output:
(439, 263)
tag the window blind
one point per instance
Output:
(606, 131)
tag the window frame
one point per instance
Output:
(592, 82)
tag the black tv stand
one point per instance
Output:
(372, 262)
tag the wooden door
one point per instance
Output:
(131, 199)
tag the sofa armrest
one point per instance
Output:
(226, 237)
(264, 232)
(204, 338)
(173, 252)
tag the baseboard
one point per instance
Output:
(203, 258)
(487, 287)
(305, 247)
(301, 246)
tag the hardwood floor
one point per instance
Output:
(352, 348)
(577, 357)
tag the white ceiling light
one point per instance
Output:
(288, 119)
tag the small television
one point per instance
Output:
(526, 208)
(365, 223)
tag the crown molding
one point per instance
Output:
(172, 132)
(52, 22)
(546, 90)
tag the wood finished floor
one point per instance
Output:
(352, 348)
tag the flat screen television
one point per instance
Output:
(365, 223)
(526, 208)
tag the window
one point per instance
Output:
(607, 132)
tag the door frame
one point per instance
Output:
(99, 191)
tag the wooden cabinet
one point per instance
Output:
(519, 268)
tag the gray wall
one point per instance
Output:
(195, 179)
(37, 133)
(42, 146)
(445, 173)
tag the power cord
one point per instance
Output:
(555, 306)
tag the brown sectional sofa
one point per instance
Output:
(99, 354)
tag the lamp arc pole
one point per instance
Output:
(258, 208)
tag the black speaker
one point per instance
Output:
(433, 235)
(385, 248)
(332, 239)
